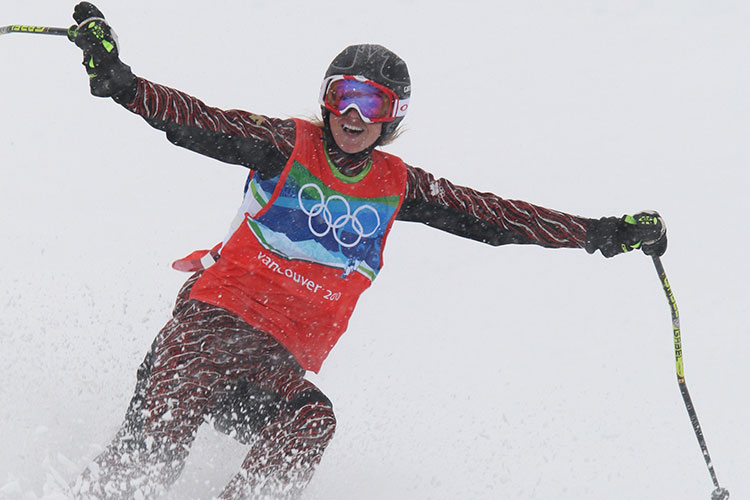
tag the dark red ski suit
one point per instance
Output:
(210, 364)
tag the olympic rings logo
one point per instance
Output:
(321, 208)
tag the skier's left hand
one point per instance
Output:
(612, 236)
(108, 75)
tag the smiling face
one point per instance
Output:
(351, 133)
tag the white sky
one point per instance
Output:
(468, 371)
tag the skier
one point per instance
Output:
(270, 301)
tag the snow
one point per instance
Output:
(467, 372)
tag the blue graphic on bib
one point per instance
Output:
(310, 221)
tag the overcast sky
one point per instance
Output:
(468, 371)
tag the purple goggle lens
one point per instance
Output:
(374, 102)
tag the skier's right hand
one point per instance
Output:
(108, 76)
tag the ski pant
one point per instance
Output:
(207, 365)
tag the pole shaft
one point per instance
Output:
(681, 368)
(34, 30)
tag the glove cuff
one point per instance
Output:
(114, 79)
(602, 234)
(127, 86)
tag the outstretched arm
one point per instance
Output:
(490, 219)
(486, 217)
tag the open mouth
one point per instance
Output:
(351, 129)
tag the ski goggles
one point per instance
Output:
(374, 102)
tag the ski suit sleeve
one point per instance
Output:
(257, 142)
(486, 217)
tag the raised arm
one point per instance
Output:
(257, 142)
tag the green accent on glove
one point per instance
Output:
(108, 46)
(648, 220)
(627, 248)
(629, 219)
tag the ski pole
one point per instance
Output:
(719, 493)
(35, 30)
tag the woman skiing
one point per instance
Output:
(270, 301)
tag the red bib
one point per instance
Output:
(304, 247)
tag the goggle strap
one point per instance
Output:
(400, 107)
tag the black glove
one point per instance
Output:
(108, 76)
(613, 236)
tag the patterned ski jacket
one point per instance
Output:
(309, 234)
